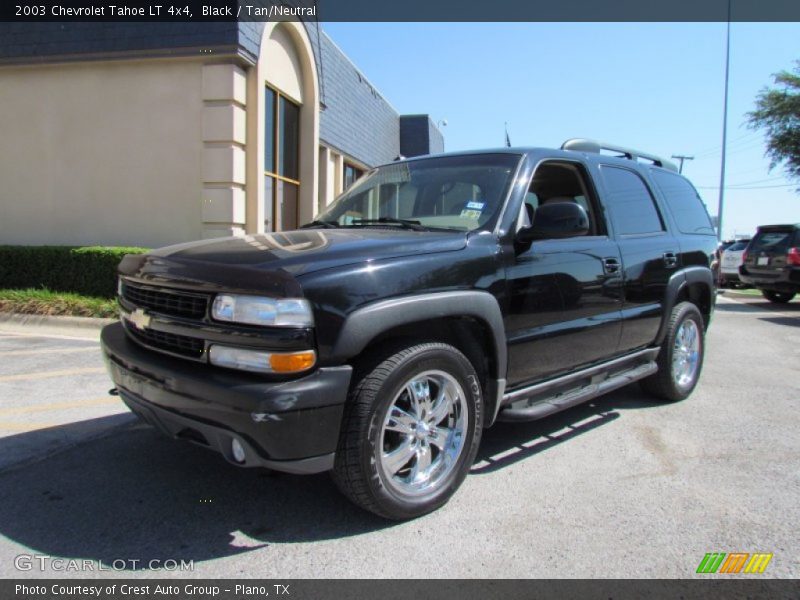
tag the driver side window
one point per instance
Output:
(559, 182)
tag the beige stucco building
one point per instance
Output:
(147, 137)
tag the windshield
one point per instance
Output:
(461, 193)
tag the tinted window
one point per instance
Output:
(686, 206)
(269, 130)
(632, 208)
(289, 139)
(771, 241)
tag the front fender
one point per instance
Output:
(366, 323)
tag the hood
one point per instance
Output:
(241, 262)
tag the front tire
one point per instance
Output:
(777, 297)
(411, 429)
(681, 357)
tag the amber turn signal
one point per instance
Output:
(292, 363)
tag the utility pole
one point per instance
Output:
(682, 157)
(724, 125)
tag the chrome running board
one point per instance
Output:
(548, 397)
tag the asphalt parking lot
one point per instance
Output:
(623, 487)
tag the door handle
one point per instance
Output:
(611, 266)
(670, 259)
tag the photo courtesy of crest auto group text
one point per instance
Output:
(315, 301)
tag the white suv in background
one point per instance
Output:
(732, 258)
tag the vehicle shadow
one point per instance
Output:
(791, 321)
(756, 303)
(508, 443)
(137, 495)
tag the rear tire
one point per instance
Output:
(778, 297)
(411, 428)
(681, 357)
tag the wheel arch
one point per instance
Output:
(693, 284)
(471, 321)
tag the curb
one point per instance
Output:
(85, 325)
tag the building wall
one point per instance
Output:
(101, 153)
(120, 133)
(356, 119)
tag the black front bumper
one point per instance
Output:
(289, 426)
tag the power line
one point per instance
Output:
(755, 187)
(731, 185)
(716, 149)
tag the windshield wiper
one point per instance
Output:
(405, 223)
(323, 224)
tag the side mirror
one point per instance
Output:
(556, 220)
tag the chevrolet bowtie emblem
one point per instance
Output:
(139, 319)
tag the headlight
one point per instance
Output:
(261, 362)
(257, 310)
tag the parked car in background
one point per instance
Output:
(771, 262)
(730, 262)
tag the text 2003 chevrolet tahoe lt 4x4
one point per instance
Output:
(435, 297)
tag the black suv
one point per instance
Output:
(436, 296)
(772, 262)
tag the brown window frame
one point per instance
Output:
(276, 138)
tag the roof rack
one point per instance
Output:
(583, 145)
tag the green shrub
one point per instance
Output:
(45, 302)
(88, 270)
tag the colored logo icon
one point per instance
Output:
(735, 562)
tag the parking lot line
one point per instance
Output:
(46, 374)
(24, 410)
(47, 351)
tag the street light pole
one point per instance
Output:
(724, 125)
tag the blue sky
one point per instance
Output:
(653, 86)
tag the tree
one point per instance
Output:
(778, 113)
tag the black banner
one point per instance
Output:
(407, 10)
(447, 589)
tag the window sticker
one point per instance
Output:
(476, 205)
(470, 214)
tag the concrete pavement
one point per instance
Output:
(621, 487)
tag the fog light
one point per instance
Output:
(238, 451)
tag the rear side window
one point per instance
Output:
(633, 209)
(686, 206)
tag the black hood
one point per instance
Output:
(242, 262)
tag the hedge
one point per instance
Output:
(87, 270)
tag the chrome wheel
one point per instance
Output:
(686, 353)
(423, 433)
